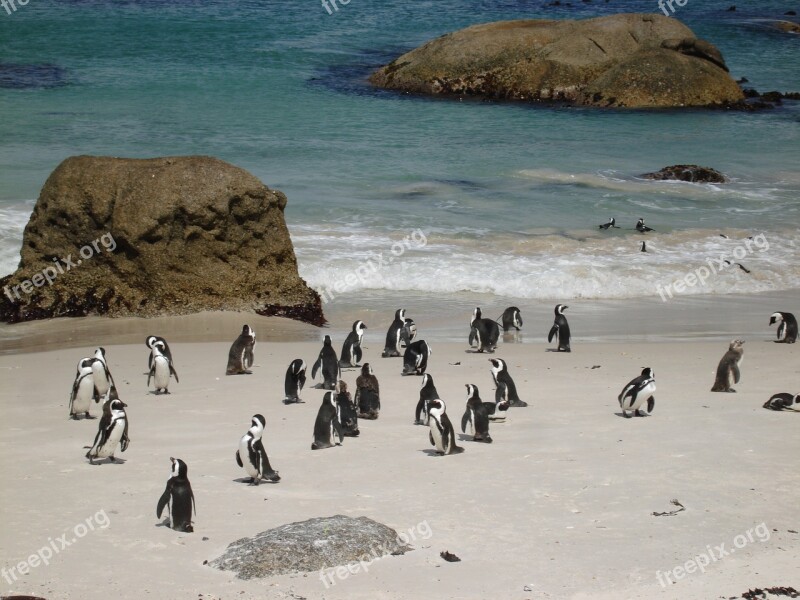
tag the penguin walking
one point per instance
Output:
(329, 363)
(427, 392)
(368, 394)
(476, 416)
(499, 410)
(80, 399)
(512, 317)
(782, 401)
(636, 393)
(400, 333)
(561, 328)
(150, 342)
(346, 411)
(178, 497)
(351, 349)
(642, 228)
(610, 224)
(787, 328)
(327, 429)
(501, 375)
(483, 333)
(728, 369)
(441, 435)
(252, 456)
(104, 385)
(415, 359)
(294, 381)
(240, 356)
(112, 431)
(161, 369)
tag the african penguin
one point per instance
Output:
(178, 497)
(782, 401)
(368, 394)
(476, 416)
(728, 368)
(327, 429)
(161, 369)
(82, 391)
(787, 330)
(427, 392)
(112, 431)
(512, 318)
(483, 333)
(251, 454)
(346, 412)
(561, 328)
(152, 339)
(643, 247)
(329, 364)
(611, 223)
(499, 410)
(103, 381)
(442, 435)
(294, 381)
(351, 349)
(641, 227)
(240, 356)
(415, 359)
(636, 393)
(500, 375)
(398, 333)
(409, 331)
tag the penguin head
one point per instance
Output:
(258, 422)
(648, 373)
(426, 379)
(327, 341)
(560, 308)
(400, 314)
(436, 407)
(409, 330)
(247, 331)
(329, 398)
(775, 318)
(476, 314)
(150, 341)
(797, 399)
(298, 366)
(100, 353)
(158, 348)
(359, 327)
(366, 369)
(472, 391)
(116, 404)
(640, 223)
(179, 468)
(736, 345)
(612, 220)
(498, 365)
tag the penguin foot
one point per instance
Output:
(88, 416)
(74, 417)
(112, 459)
(274, 477)
(731, 391)
(625, 414)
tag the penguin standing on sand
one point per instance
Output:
(787, 330)
(441, 435)
(511, 318)
(161, 369)
(641, 227)
(368, 394)
(179, 497)
(252, 456)
(409, 331)
(476, 416)
(427, 392)
(240, 356)
(329, 364)
(150, 342)
(82, 391)
(351, 349)
(103, 381)
(346, 412)
(327, 429)
(415, 359)
(728, 369)
(499, 410)
(782, 401)
(112, 431)
(610, 224)
(561, 328)
(636, 393)
(508, 390)
(294, 381)
(483, 333)
(398, 334)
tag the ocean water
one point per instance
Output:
(500, 200)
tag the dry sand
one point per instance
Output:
(559, 506)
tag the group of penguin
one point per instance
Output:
(640, 227)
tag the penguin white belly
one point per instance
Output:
(83, 398)
(472, 422)
(438, 442)
(162, 373)
(100, 379)
(112, 442)
(642, 396)
(244, 454)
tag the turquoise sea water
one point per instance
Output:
(507, 196)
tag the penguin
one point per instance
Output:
(346, 412)
(251, 454)
(787, 330)
(610, 224)
(329, 363)
(103, 381)
(179, 497)
(477, 416)
(637, 392)
(483, 333)
(441, 435)
(113, 431)
(327, 429)
(427, 392)
(150, 341)
(368, 394)
(511, 318)
(643, 247)
(409, 331)
(641, 227)
(500, 375)
(782, 401)
(560, 327)
(740, 265)
(240, 356)
(161, 369)
(400, 332)
(728, 368)
(415, 359)
(351, 349)
(82, 391)
(499, 410)
(295, 380)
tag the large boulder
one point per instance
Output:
(624, 60)
(146, 237)
(691, 173)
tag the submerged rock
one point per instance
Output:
(692, 173)
(161, 236)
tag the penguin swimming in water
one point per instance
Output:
(643, 247)
(351, 349)
(327, 429)
(252, 456)
(329, 364)
(500, 375)
(641, 227)
(611, 223)
(368, 394)
(477, 416)
(483, 333)
(346, 412)
(782, 402)
(80, 399)
(178, 497)
(561, 328)
(728, 369)
(740, 265)
(294, 381)
(112, 431)
(787, 330)
(400, 333)
(415, 359)
(427, 392)
(636, 393)
(150, 341)
(442, 435)
(240, 356)
(161, 369)
(511, 318)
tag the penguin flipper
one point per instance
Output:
(337, 427)
(151, 374)
(316, 367)
(418, 411)
(553, 332)
(473, 335)
(430, 437)
(500, 393)
(164, 500)
(357, 354)
(174, 372)
(651, 404)
(736, 374)
(125, 440)
(239, 459)
(465, 421)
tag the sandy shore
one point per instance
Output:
(561, 502)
